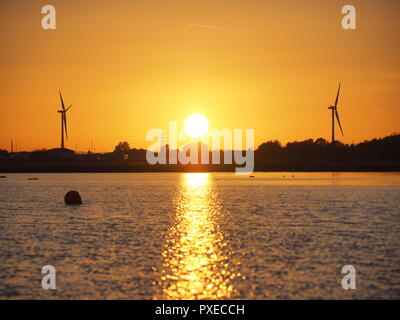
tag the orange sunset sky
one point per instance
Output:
(129, 66)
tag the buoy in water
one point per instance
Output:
(72, 197)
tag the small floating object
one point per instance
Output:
(3, 177)
(33, 178)
(72, 198)
(252, 176)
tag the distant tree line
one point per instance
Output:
(319, 154)
(309, 151)
(320, 150)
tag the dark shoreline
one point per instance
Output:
(126, 167)
(377, 155)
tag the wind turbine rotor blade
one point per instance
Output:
(337, 96)
(65, 125)
(338, 120)
(68, 108)
(62, 101)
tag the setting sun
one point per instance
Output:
(196, 125)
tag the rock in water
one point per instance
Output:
(72, 198)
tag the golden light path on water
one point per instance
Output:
(196, 264)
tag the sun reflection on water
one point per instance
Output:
(195, 255)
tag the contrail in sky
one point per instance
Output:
(215, 27)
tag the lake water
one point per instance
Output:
(201, 235)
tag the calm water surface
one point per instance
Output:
(201, 235)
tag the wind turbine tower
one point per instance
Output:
(335, 114)
(63, 113)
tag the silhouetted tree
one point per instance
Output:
(321, 142)
(122, 147)
(270, 149)
(270, 146)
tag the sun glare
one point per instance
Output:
(196, 125)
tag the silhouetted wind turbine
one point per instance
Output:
(63, 112)
(335, 113)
